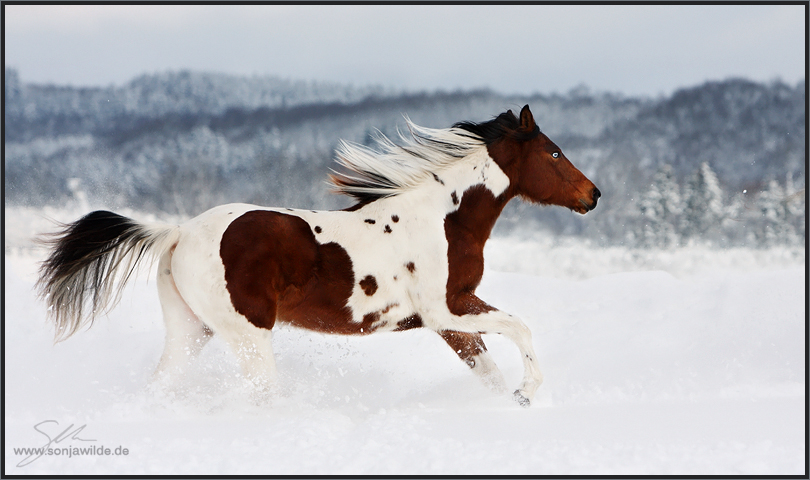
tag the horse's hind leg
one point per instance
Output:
(185, 333)
(253, 347)
(471, 349)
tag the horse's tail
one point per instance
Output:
(78, 279)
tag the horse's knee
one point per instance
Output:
(524, 331)
(517, 331)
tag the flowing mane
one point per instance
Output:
(504, 125)
(424, 152)
(395, 168)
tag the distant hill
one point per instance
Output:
(181, 142)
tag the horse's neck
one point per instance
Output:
(475, 217)
(481, 185)
(469, 197)
(467, 230)
(466, 198)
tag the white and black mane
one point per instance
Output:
(421, 155)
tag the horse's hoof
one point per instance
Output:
(523, 401)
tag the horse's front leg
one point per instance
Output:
(481, 318)
(471, 349)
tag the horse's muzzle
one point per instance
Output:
(595, 194)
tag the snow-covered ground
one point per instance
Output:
(690, 361)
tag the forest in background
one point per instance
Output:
(721, 163)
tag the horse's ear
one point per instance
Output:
(527, 120)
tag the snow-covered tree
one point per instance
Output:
(703, 207)
(660, 207)
(796, 204)
(739, 222)
(774, 206)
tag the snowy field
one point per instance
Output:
(686, 362)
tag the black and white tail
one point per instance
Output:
(78, 279)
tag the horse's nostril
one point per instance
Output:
(596, 194)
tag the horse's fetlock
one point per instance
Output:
(521, 399)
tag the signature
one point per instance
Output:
(48, 428)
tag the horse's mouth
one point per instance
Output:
(584, 207)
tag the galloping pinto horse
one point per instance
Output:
(408, 254)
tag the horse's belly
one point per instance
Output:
(338, 319)
(329, 302)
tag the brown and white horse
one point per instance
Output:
(409, 254)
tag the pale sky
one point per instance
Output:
(635, 50)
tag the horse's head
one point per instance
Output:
(538, 171)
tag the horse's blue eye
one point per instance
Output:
(555, 154)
